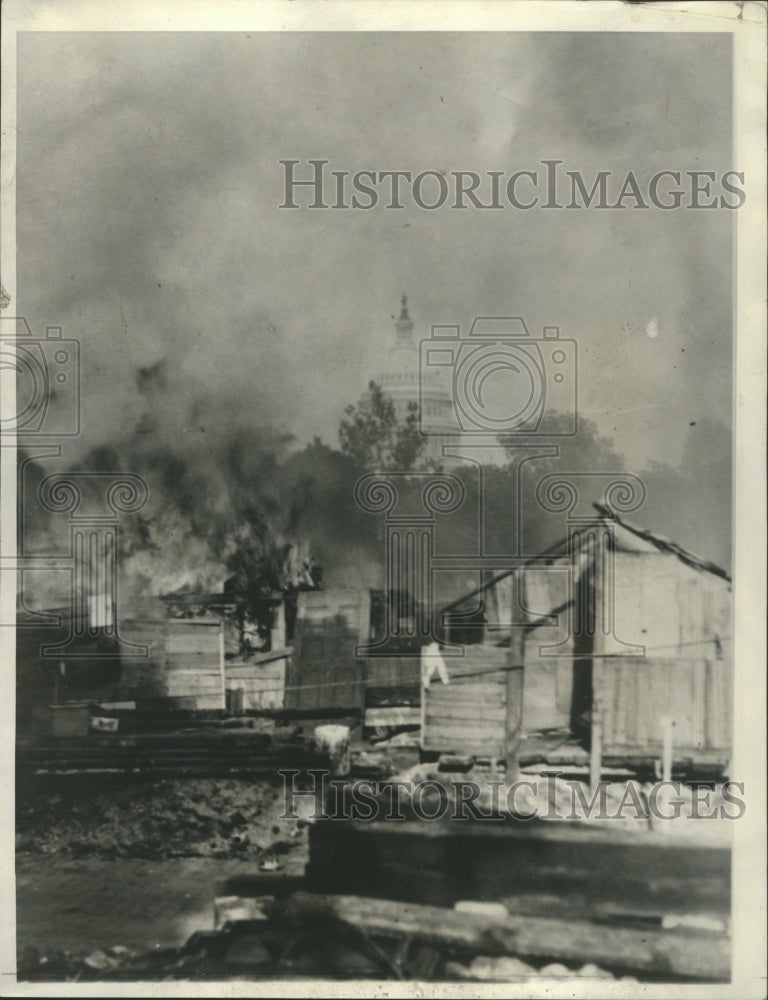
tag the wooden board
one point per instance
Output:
(467, 714)
(396, 715)
(185, 660)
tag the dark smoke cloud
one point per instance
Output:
(213, 324)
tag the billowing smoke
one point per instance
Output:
(205, 314)
(220, 508)
(230, 502)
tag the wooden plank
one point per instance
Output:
(457, 736)
(489, 750)
(493, 680)
(209, 702)
(482, 692)
(460, 726)
(455, 741)
(193, 661)
(473, 688)
(466, 713)
(513, 708)
(191, 682)
(397, 715)
(270, 673)
(648, 950)
(192, 687)
(208, 677)
(482, 698)
(192, 643)
(179, 625)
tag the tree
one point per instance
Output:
(377, 438)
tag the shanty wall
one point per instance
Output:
(392, 691)
(679, 614)
(548, 650)
(323, 671)
(467, 714)
(683, 618)
(261, 680)
(185, 661)
(87, 674)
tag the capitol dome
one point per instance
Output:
(400, 381)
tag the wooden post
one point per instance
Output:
(596, 726)
(666, 760)
(513, 722)
(222, 667)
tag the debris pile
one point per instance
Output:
(203, 817)
(239, 951)
(307, 935)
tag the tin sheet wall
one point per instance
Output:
(682, 617)
(549, 667)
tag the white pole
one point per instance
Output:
(666, 761)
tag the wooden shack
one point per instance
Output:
(636, 651)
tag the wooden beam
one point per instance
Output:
(703, 955)
(513, 723)
(596, 726)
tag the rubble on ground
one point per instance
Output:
(194, 817)
(240, 949)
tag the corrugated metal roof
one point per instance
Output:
(663, 544)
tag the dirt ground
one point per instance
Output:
(87, 904)
(102, 861)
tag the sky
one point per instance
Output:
(148, 222)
